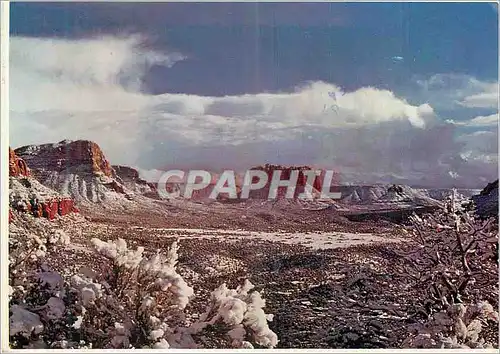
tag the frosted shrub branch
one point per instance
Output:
(455, 260)
(140, 303)
(242, 313)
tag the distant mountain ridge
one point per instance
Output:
(385, 195)
(80, 170)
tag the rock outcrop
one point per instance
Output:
(285, 175)
(26, 194)
(80, 169)
(129, 177)
(75, 168)
(47, 209)
(487, 201)
(17, 166)
(80, 155)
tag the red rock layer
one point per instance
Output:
(285, 175)
(49, 209)
(85, 155)
(17, 166)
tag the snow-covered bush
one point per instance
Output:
(142, 302)
(39, 303)
(29, 241)
(242, 314)
(457, 326)
(155, 294)
(455, 264)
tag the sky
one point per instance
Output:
(380, 92)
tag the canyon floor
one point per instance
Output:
(329, 284)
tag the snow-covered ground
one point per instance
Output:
(314, 240)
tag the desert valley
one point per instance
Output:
(333, 273)
(357, 143)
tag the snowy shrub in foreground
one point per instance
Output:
(37, 296)
(141, 303)
(150, 287)
(455, 263)
(241, 312)
(457, 326)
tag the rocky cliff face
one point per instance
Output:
(75, 168)
(487, 201)
(80, 169)
(79, 156)
(17, 166)
(286, 172)
(285, 175)
(26, 194)
(129, 177)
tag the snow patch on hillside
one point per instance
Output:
(26, 188)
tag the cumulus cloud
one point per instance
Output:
(91, 89)
(451, 90)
